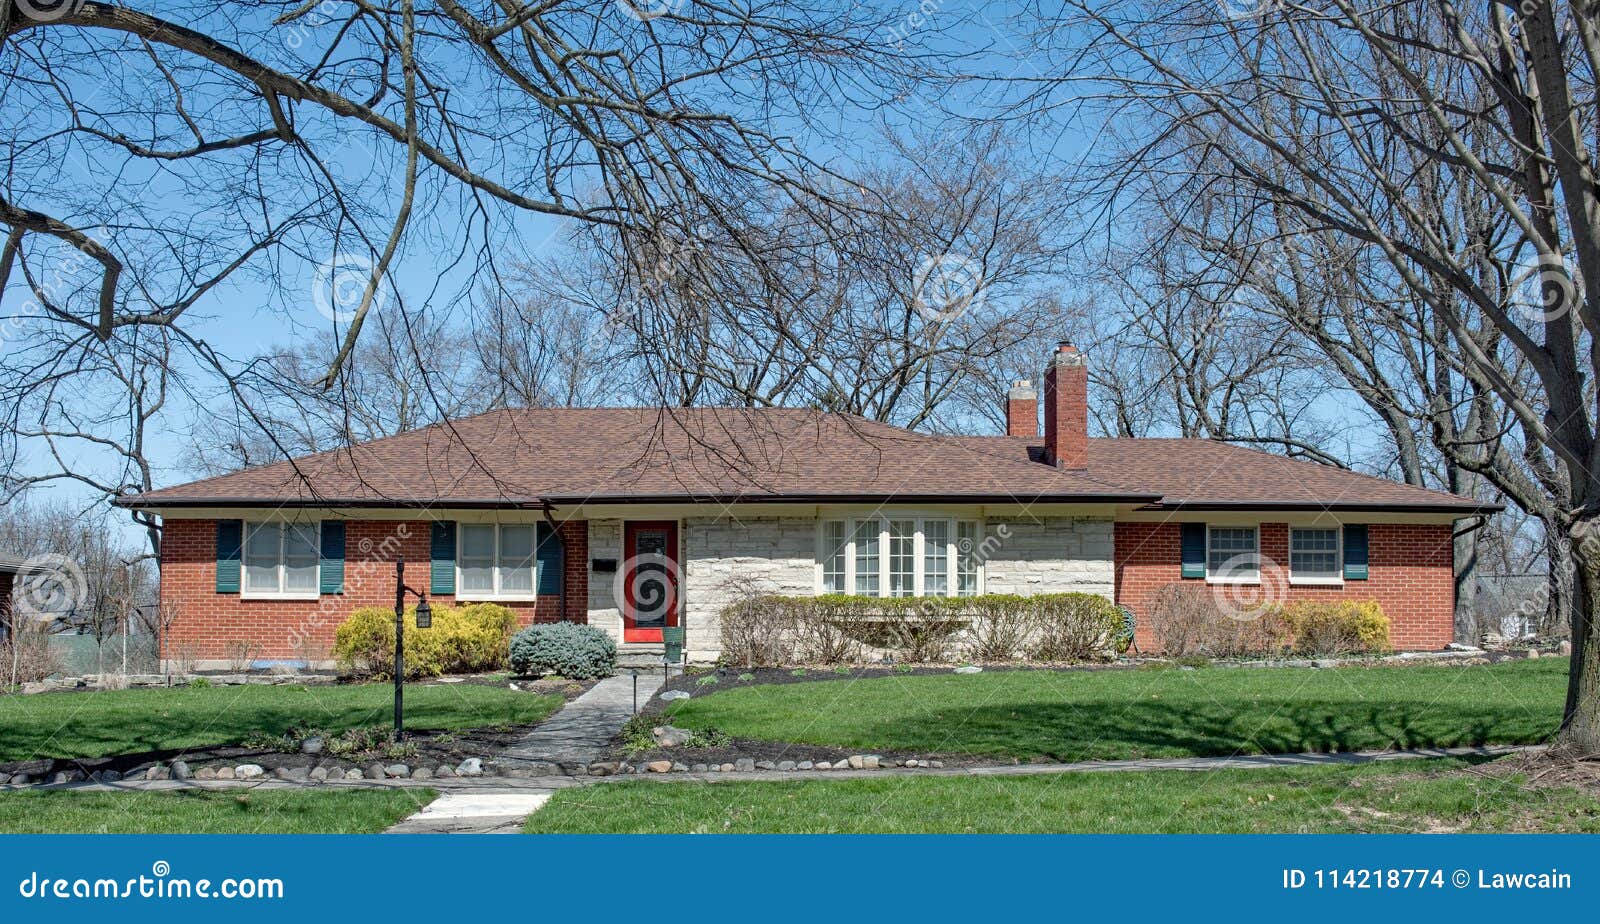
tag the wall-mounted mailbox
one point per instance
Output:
(605, 566)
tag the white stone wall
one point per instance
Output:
(778, 555)
(605, 541)
(1050, 555)
(774, 554)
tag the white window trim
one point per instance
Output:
(918, 550)
(1241, 581)
(245, 593)
(496, 595)
(1338, 558)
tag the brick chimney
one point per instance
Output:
(1066, 409)
(1022, 409)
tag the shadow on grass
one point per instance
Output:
(1118, 729)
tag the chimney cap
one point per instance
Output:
(1065, 346)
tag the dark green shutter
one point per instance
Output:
(1194, 550)
(1355, 553)
(332, 557)
(443, 576)
(230, 540)
(549, 554)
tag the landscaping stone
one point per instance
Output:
(786, 765)
(744, 765)
(299, 774)
(280, 773)
(158, 773)
(312, 745)
(698, 768)
(206, 773)
(353, 774)
(766, 765)
(397, 771)
(679, 766)
(603, 768)
(180, 770)
(472, 766)
(226, 773)
(726, 768)
(374, 771)
(802, 765)
(518, 773)
(61, 777)
(319, 773)
(422, 773)
(444, 770)
(659, 766)
(20, 779)
(670, 736)
(671, 695)
(248, 771)
(4, 778)
(936, 764)
(969, 669)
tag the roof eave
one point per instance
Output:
(1464, 509)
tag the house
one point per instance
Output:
(633, 519)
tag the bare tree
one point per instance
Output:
(1453, 151)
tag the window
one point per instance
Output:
(281, 559)
(834, 549)
(1231, 555)
(1314, 556)
(900, 557)
(496, 561)
(865, 558)
(968, 549)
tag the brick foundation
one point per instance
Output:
(1410, 567)
(209, 625)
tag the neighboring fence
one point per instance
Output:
(122, 653)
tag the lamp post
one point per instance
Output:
(424, 620)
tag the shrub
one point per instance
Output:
(1186, 620)
(570, 650)
(757, 629)
(463, 639)
(999, 626)
(27, 655)
(1346, 627)
(1074, 626)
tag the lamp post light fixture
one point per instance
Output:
(424, 620)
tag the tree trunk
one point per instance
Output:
(1466, 562)
(1580, 722)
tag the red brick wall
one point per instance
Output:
(1410, 573)
(208, 623)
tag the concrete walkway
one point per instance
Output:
(582, 729)
(474, 813)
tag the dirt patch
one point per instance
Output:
(1545, 770)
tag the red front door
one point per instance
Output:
(649, 579)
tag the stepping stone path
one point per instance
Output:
(474, 813)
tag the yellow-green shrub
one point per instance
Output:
(1346, 627)
(470, 638)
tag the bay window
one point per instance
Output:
(280, 560)
(900, 556)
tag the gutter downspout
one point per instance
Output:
(561, 557)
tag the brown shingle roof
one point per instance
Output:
(600, 455)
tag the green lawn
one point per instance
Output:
(126, 721)
(1435, 795)
(260, 811)
(1081, 715)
